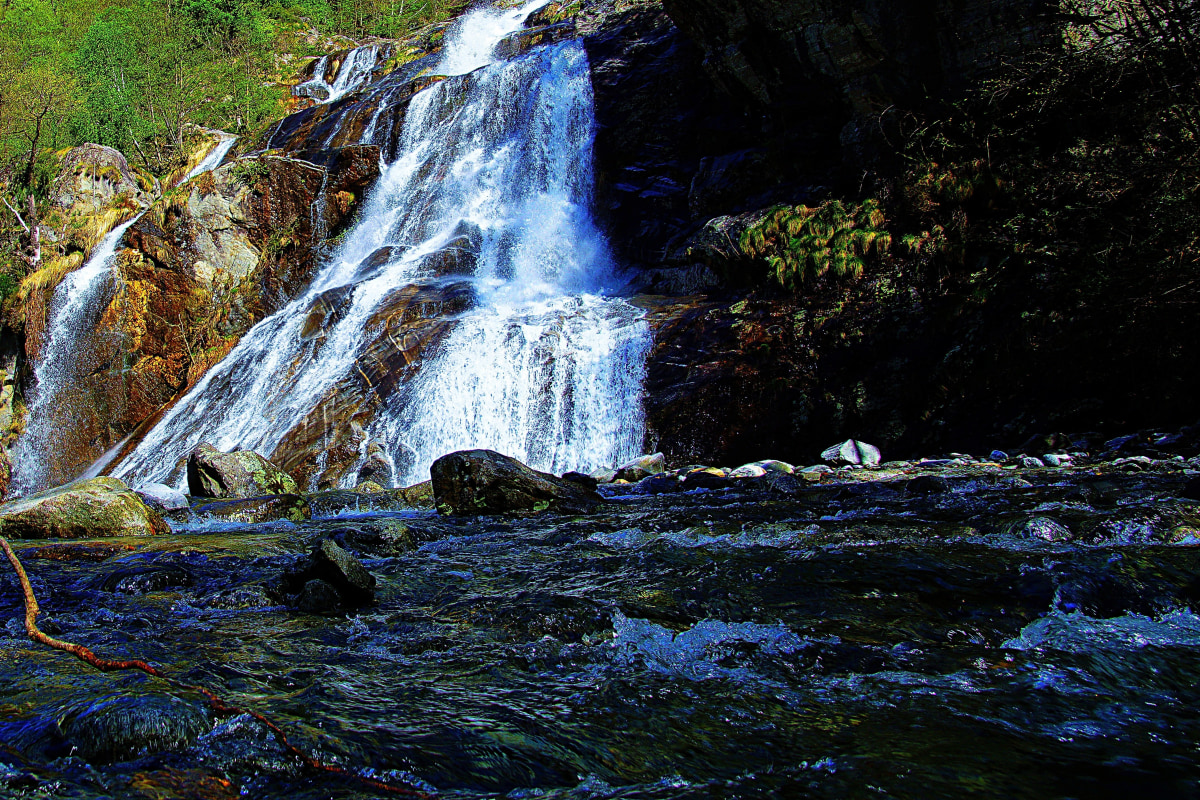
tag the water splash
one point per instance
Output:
(494, 165)
(78, 301)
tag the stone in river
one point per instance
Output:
(242, 473)
(853, 451)
(486, 482)
(89, 509)
(641, 467)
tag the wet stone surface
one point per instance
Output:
(912, 631)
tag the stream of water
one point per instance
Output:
(76, 305)
(494, 173)
(856, 640)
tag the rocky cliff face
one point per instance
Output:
(204, 264)
(873, 56)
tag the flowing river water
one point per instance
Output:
(997, 635)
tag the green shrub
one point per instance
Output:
(800, 243)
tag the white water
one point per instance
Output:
(355, 70)
(214, 157)
(77, 301)
(544, 367)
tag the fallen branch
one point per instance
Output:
(16, 213)
(217, 704)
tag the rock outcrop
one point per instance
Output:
(201, 267)
(89, 509)
(474, 482)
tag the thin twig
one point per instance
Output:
(218, 705)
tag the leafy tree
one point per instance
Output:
(112, 78)
(42, 99)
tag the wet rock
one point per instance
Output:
(998, 455)
(641, 467)
(419, 495)
(775, 482)
(376, 468)
(326, 310)
(485, 482)
(119, 728)
(523, 41)
(254, 510)
(161, 497)
(145, 580)
(1031, 462)
(853, 451)
(1058, 459)
(88, 509)
(705, 478)
(241, 473)
(369, 487)
(581, 478)
(604, 475)
(927, 484)
(1044, 528)
(318, 597)
(374, 264)
(748, 471)
(349, 584)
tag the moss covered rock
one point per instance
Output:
(83, 510)
(242, 473)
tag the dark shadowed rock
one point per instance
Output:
(318, 596)
(119, 728)
(241, 473)
(329, 564)
(927, 484)
(83, 510)
(486, 482)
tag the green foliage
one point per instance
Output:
(801, 244)
(249, 171)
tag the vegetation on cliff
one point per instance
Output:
(137, 76)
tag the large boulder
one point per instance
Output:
(83, 510)
(242, 473)
(486, 482)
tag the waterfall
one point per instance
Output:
(78, 301)
(214, 158)
(355, 70)
(543, 365)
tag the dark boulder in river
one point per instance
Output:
(486, 482)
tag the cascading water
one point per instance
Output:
(214, 157)
(355, 70)
(542, 367)
(78, 300)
